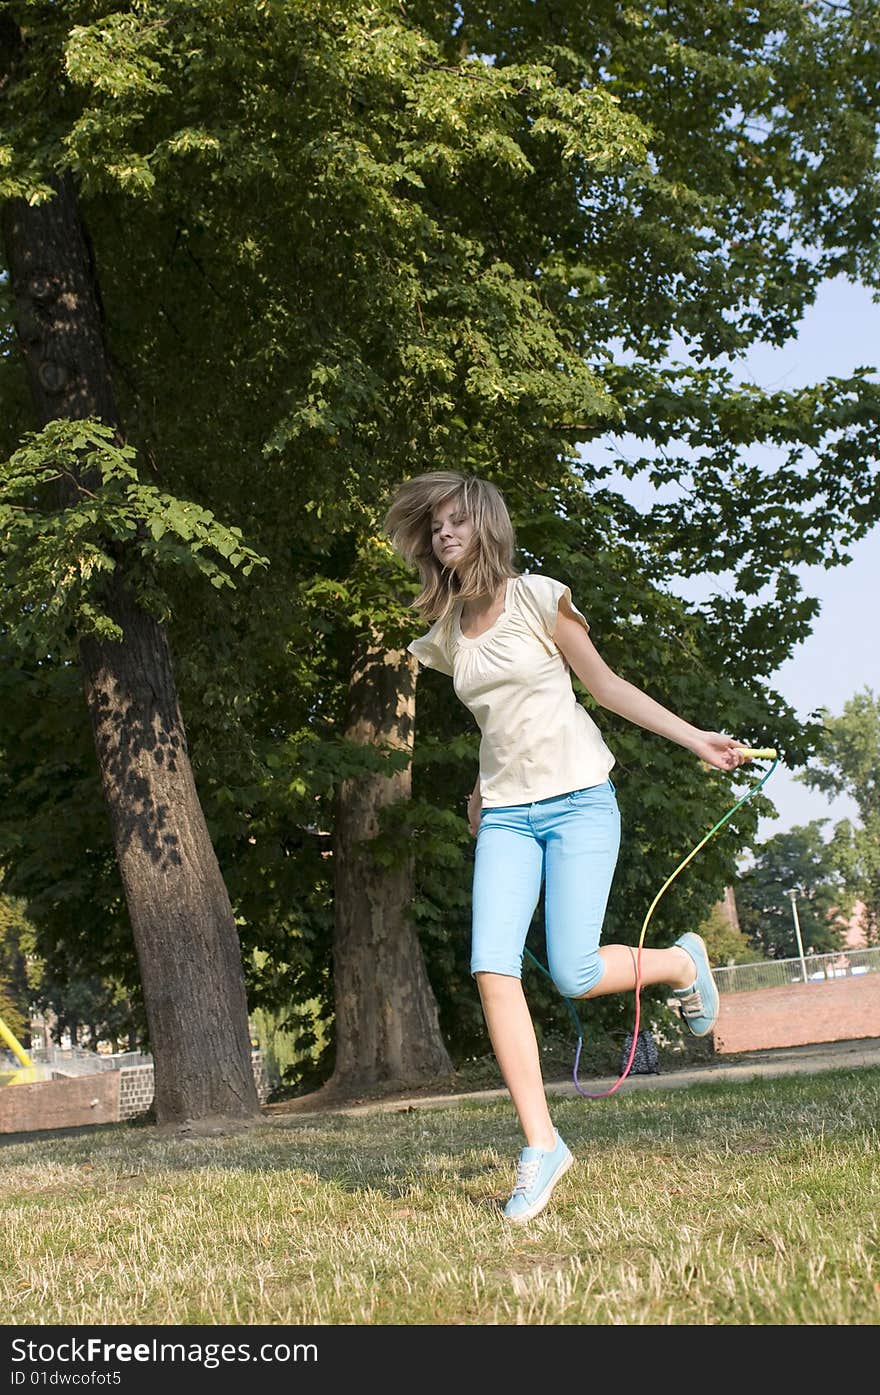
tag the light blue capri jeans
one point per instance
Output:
(570, 843)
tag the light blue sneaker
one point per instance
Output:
(699, 1003)
(537, 1173)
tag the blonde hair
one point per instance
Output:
(488, 559)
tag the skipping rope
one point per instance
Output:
(752, 753)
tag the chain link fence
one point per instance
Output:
(779, 973)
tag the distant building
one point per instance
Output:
(854, 928)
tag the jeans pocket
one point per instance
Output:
(591, 793)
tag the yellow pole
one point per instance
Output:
(14, 1045)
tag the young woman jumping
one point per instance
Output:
(543, 809)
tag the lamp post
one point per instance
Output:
(797, 931)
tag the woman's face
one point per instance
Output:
(451, 531)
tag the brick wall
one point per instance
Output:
(136, 1090)
(261, 1075)
(104, 1097)
(836, 1009)
(60, 1104)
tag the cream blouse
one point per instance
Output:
(537, 739)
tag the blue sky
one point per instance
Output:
(840, 333)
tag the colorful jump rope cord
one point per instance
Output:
(754, 753)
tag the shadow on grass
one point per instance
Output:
(399, 1154)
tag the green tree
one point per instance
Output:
(798, 860)
(847, 762)
(336, 244)
(88, 1010)
(724, 943)
(181, 918)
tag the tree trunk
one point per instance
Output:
(183, 925)
(387, 1031)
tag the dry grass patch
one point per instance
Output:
(730, 1203)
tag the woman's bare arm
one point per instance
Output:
(617, 695)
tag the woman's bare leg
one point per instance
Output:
(673, 966)
(516, 1051)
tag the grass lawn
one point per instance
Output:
(750, 1203)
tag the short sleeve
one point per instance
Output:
(542, 599)
(432, 649)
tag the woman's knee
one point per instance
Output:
(577, 978)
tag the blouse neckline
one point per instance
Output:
(478, 639)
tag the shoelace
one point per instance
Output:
(526, 1173)
(692, 1005)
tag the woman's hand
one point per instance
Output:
(474, 808)
(721, 751)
